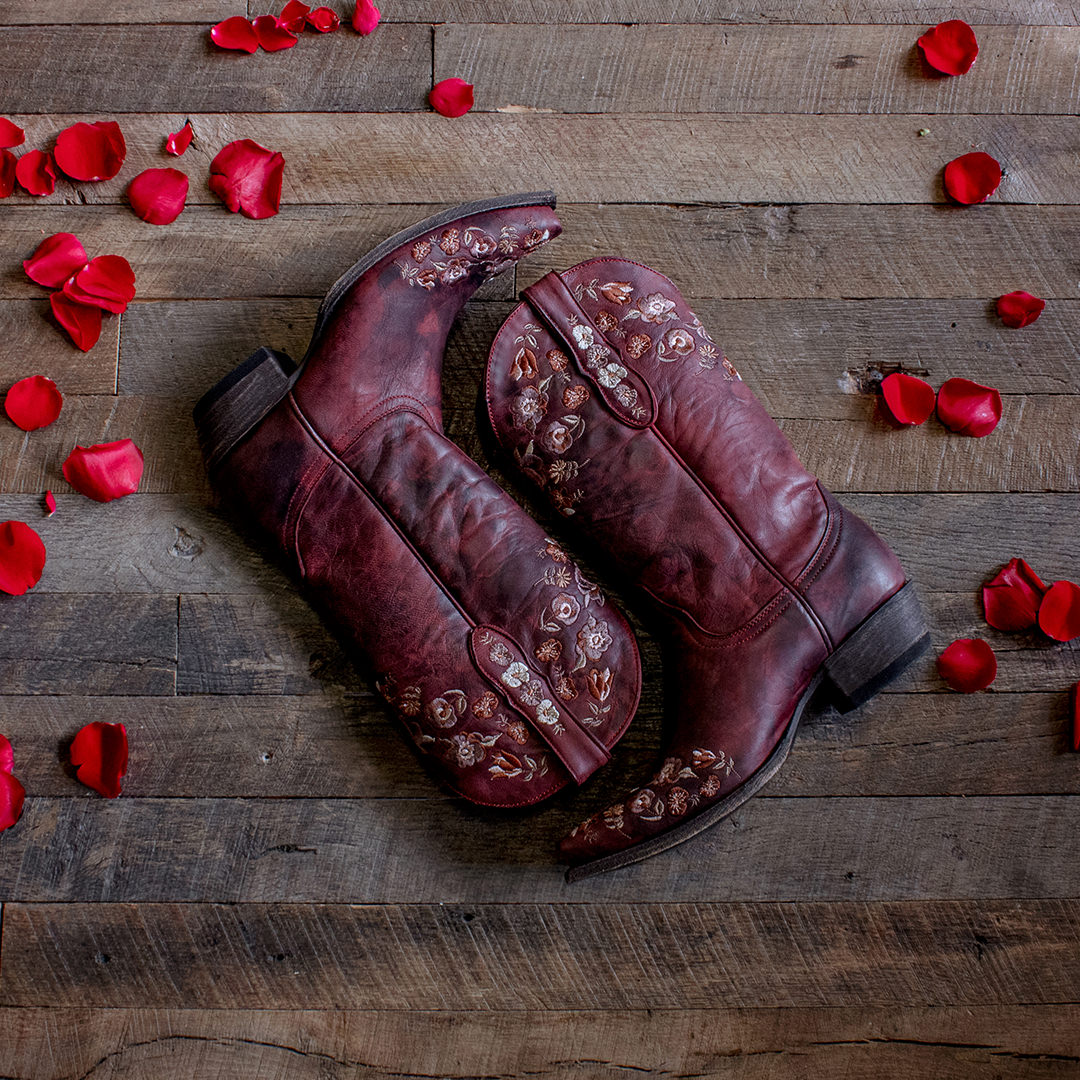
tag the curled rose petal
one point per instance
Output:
(968, 664)
(82, 323)
(273, 37)
(91, 151)
(323, 19)
(57, 257)
(968, 408)
(452, 97)
(105, 471)
(50, 504)
(950, 47)
(235, 33)
(1074, 709)
(99, 753)
(158, 195)
(33, 403)
(107, 282)
(247, 178)
(909, 399)
(34, 170)
(1017, 309)
(1011, 599)
(7, 755)
(176, 142)
(22, 557)
(7, 173)
(10, 134)
(12, 797)
(1059, 612)
(365, 17)
(972, 178)
(293, 16)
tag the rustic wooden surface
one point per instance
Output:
(281, 890)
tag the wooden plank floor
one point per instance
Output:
(281, 891)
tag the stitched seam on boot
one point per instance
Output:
(829, 539)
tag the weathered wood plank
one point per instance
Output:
(43, 12)
(529, 956)
(58, 69)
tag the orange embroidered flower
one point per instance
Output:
(678, 801)
(606, 321)
(557, 359)
(450, 241)
(638, 345)
(548, 651)
(566, 689)
(573, 397)
(524, 366)
(485, 706)
(421, 249)
(679, 341)
(599, 683)
(618, 292)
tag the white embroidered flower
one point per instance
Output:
(593, 638)
(610, 375)
(583, 335)
(565, 608)
(465, 752)
(531, 694)
(500, 654)
(655, 308)
(546, 713)
(627, 395)
(441, 713)
(516, 674)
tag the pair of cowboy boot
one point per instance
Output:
(506, 665)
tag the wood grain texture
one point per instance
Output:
(91, 12)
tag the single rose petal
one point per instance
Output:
(1074, 707)
(365, 17)
(12, 796)
(1059, 612)
(10, 134)
(273, 37)
(105, 471)
(34, 170)
(293, 16)
(178, 141)
(452, 97)
(972, 178)
(1017, 309)
(158, 195)
(81, 322)
(22, 557)
(91, 151)
(323, 19)
(968, 408)
(7, 755)
(1011, 599)
(235, 33)
(50, 504)
(107, 282)
(57, 257)
(247, 178)
(7, 173)
(950, 47)
(909, 399)
(99, 753)
(33, 403)
(968, 664)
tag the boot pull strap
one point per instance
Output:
(502, 663)
(600, 361)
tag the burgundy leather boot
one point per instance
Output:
(507, 666)
(640, 430)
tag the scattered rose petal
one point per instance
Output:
(12, 797)
(82, 323)
(909, 399)
(968, 408)
(34, 170)
(7, 173)
(50, 503)
(105, 471)
(452, 97)
(158, 195)
(107, 282)
(91, 151)
(10, 134)
(22, 557)
(273, 37)
(100, 754)
(7, 755)
(950, 47)
(1074, 707)
(1059, 612)
(1017, 309)
(293, 16)
(178, 141)
(235, 33)
(968, 664)
(57, 257)
(247, 178)
(33, 403)
(365, 17)
(323, 19)
(972, 178)
(1011, 599)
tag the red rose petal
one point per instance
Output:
(1074, 706)
(178, 141)
(968, 664)
(50, 503)
(7, 755)
(950, 47)
(1017, 309)
(91, 151)
(273, 37)
(12, 796)
(82, 323)
(158, 195)
(365, 17)
(22, 557)
(33, 403)
(247, 178)
(7, 173)
(323, 19)
(235, 33)
(34, 170)
(968, 408)
(909, 399)
(105, 471)
(57, 257)
(10, 134)
(452, 97)
(293, 16)
(100, 754)
(1059, 612)
(1011, 599)
(107, 282)
(972, 178)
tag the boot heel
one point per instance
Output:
(877, 650)
(231, 408)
